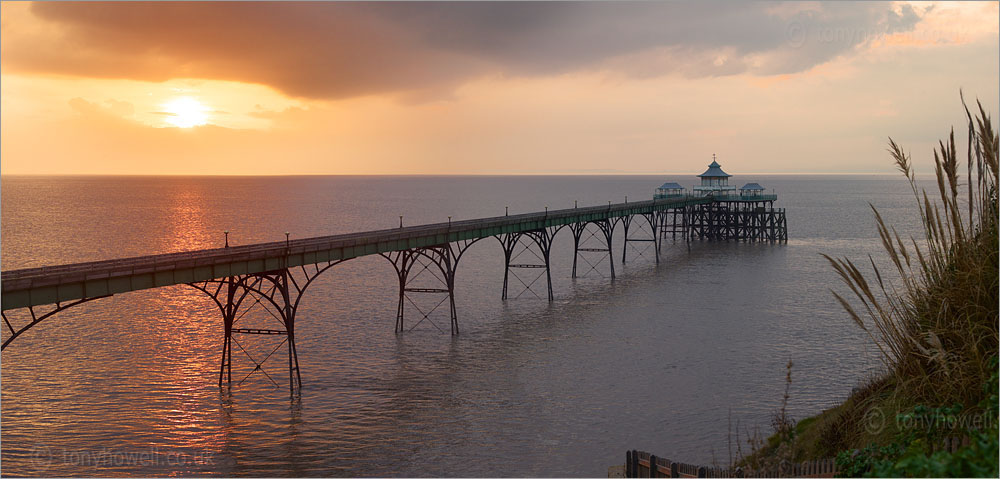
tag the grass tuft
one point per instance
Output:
(932, 313)
(934, 316)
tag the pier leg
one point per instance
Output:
(548, 273)
(685, 215)
(295, 354)
(449, 260)
(686, 220)
(400, 306)
(654, 226)
(402, 271)
(288, 315)
(277, 292)
(576, 248)
(228, 315)
(402, 261)
(506, 267)
(609, 231)
(673, 221)
(543, 240)
(578, 229)
(626, 222)
(654, 231)
(454, 311)
(225, 351)
(442, 258)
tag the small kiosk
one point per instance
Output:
(669, 190)
(751, 190)
(714, 181)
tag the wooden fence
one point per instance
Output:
(644, 464)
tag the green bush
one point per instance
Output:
(913, 452)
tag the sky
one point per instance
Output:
(261, 88)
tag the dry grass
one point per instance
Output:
(934, 316)
(779, 451)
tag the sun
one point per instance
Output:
(185, 112)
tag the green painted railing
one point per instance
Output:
(738, 197)
(53, 284)
(748, 198)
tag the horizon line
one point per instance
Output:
(852, 173)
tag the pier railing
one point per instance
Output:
(62, 283)
(723, 198)
(747, 198)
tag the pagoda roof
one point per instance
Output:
(714, 170)
(671, 186)
(752, 186)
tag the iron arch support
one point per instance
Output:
(543, 240)
(35, 318)
(651, 221)
(445, 257)
(606, 227)
(309, 279)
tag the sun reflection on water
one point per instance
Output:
(186, 220)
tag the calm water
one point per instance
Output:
(654, 361)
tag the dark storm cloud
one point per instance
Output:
(337, 50)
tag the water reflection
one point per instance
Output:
(186, 221)
(652, 361)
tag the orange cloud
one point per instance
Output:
(339, 50)
(550, 88)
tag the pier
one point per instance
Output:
(277, 274)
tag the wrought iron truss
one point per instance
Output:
(38, 317)
(584, 236)
(673, 221)
(279, 293)
(539, 258)
(648, 233)
(741, 221)
(437, 264)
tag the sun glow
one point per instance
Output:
(185, 112)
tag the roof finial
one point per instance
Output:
(713, 156)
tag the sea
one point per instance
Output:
(684, 359)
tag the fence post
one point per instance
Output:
(635, 463)
(674, 470)
(701, 471)
(628, 464)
